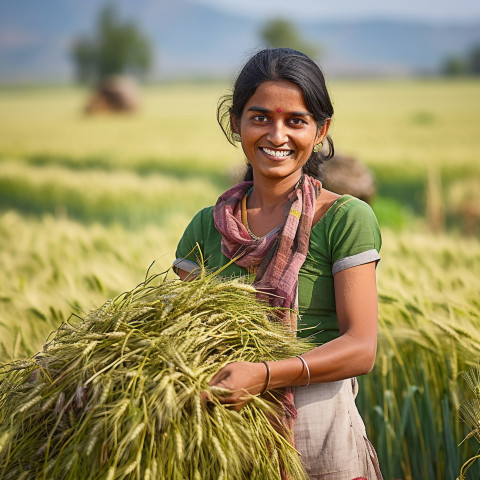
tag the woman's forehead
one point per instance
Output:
(278, 95)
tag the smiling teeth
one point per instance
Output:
(276, 153)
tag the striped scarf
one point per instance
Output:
(277, 257)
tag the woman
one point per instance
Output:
(297, 237)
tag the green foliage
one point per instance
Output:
(279, 32)
(454, 66)
(473, 60)
(114, 48)
(470, 413)
(428, 333)
(391, 213)
(463, 65)
(133, 200)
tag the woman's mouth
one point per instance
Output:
(276, 153)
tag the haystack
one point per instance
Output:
(345, 174)
(114, 94)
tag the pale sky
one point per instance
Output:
(430, 10)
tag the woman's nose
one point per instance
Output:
(277, 134)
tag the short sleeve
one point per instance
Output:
(187, 253)
(354, 235)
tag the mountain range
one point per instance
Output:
(194, 40)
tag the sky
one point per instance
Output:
(437, 11)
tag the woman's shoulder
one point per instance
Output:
(206, 211)
(203, 217)
(348, 217)
(341, 207)
(348, 204)
(348, 230)
(198, 227)
(200, 231)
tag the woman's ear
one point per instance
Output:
(322, 131)
(234, 124)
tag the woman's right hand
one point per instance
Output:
(243, 380)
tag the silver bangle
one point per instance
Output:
(305, 365)
(267, 382)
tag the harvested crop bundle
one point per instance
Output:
(116, 395)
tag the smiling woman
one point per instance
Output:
(278, 141)
(311, 251)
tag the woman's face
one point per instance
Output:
(277, 130)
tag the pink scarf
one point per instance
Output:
(277, 257)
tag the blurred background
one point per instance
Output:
(210, 39)
(109, 145)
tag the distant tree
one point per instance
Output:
(454, 66)
(473, 60)
(279, 32)
(115, 48)
(465, 65)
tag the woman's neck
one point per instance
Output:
(269, 194)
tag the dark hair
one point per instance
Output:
(281, 64)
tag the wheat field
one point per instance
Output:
(87, 204)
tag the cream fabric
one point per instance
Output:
(330, 434)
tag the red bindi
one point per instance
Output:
(279, 110)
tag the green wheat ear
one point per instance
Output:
(470, 412)
(117, 394)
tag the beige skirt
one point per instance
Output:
(330, 434)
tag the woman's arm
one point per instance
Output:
(352, 353)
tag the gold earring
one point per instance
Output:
(318, 147)
(236, 137)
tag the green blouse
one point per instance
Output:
(346, 236)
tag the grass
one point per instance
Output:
(400, 129)
(384, 123)
(400, 124)
(94, 195)
(52, 267)
(174, 123)
(429, 320)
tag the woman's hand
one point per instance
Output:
(349, 355)
(243, 380)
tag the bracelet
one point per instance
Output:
(305, 365)
(267, 383)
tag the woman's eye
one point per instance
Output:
(298, 121)
(260, 118)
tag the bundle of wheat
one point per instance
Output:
(117, 395)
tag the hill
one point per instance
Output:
(191, 39)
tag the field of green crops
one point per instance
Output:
(87, 204)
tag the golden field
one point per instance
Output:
(88, 203)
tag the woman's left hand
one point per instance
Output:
(243, 380)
